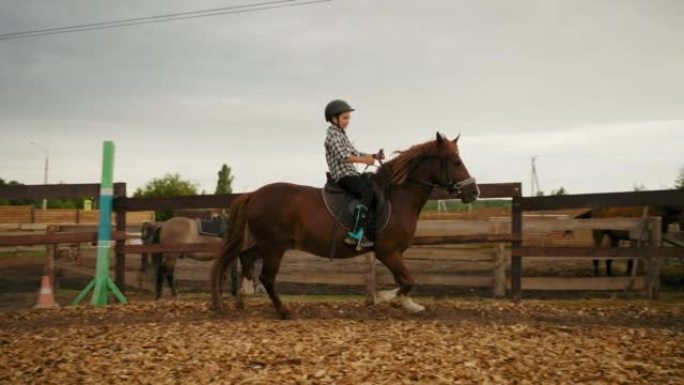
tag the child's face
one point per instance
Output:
(343, 120)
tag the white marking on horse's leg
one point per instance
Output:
(387, 295)
(239, 298)
(247, 287)
(411, 306)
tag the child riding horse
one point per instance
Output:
(281, 216)
(341, 155)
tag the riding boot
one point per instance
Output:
(356, 236)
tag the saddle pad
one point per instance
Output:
(212, 227)
(341, 205)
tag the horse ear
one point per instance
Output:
(456, 140)
(440, 138)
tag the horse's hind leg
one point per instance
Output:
(247, 259)
(596, 267)
(159, 282)
(609, 267)
(272, 259)
(614, 243)
(598, 240)
(170, 267)
(172, 284)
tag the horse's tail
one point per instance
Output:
(232, 246)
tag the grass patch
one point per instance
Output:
(457, 205)
(22, 253)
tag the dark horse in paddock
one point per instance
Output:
(267, 222)
(668, 215)
(175, 231)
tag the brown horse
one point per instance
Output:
(284, 216)
(668, 215)
(175, 231)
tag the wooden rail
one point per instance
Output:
(430, 237)
(55, 238)
(593, 253)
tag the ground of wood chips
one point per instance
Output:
(345, 342)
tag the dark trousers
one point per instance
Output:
(359, 186)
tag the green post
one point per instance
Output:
(102, 281)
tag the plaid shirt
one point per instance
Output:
(337, 149)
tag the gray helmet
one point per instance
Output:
(336, 107)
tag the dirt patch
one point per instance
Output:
(20, 281)
(345, 342)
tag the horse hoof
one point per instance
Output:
(410, 306)
(284, 314)
(214, 307)
(386, 295)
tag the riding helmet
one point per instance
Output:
(336, 107)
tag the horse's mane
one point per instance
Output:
(396, 171)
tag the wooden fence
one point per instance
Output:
(29, 214)
(433, 244)
(465, 265)
(651, 254)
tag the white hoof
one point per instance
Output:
(411, 306)
(387, 295)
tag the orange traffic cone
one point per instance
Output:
(46, 299)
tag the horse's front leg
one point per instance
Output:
(395, 263)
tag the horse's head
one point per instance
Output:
(147, 233)
(447, 170)
(436, 164)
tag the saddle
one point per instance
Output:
(214, 227)
(341, 205)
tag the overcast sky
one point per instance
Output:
(595, 89)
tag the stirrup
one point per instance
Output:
(360, 244)
(357, 238)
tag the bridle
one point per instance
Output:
(450, 186)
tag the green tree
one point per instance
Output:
(169, 185)
(639, 187)
(225, 181)
(38, 203)
(16, 202)
(561, 191)
(679, 183)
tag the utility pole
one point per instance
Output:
(534, 180)
(45, 175)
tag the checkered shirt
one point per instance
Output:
(337, 149)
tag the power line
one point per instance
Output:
(244, 8)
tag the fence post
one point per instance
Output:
(655, 240)
(370, 279)
(499, 287)
(51, 254)
(120, 276)
(516, 260)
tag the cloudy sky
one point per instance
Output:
(594, 89)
